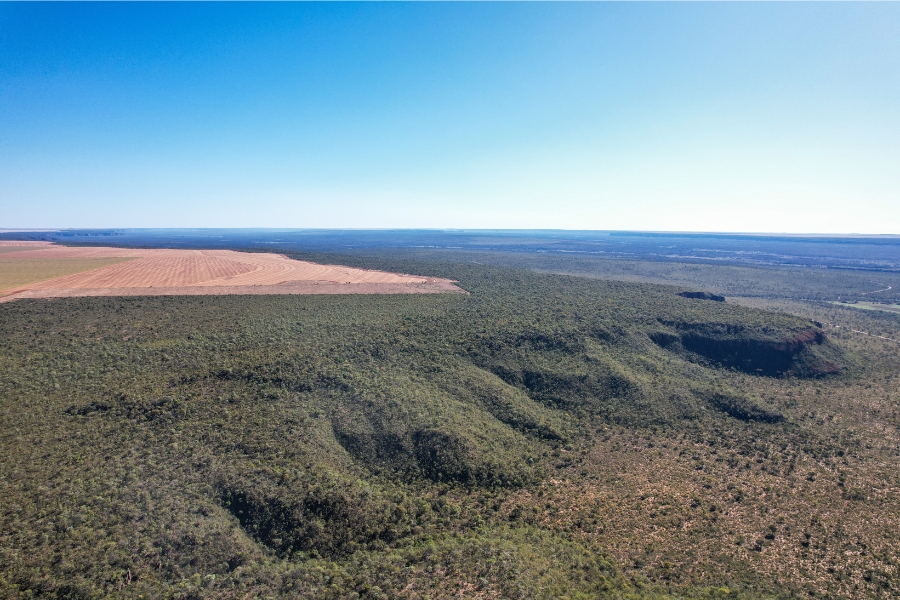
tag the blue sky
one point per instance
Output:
(685, 116)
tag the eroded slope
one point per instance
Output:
(380, 446)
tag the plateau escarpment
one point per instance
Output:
(319, 446)
(802, 352)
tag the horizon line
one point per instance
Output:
(8, 230)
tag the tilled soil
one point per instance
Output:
(166, 272)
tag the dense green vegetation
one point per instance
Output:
(499, 443)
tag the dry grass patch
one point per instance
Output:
(11, 249)
(16, 271)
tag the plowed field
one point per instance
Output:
(90, 272)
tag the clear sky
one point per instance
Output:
(687, 116)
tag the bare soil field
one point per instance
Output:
(25, 263)
(12, 246)
(23, 244)
(40, 270)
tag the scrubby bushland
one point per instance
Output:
(372, 446)
(742, 407)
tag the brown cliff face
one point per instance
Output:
(805, 354)
(799, 341)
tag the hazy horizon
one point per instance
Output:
(810, 234)
(747, 118)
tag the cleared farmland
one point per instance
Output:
(18, 272)
(7, 246)
(50, 271)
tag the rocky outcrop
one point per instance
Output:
(805, 353)
(702, 296)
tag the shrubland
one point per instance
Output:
(720, 277)
(543, 436)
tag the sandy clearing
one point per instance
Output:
(26, 244)
(12, 249)
(19, 273)
(192, 272)
(12, 246)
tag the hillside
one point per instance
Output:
(543, 436)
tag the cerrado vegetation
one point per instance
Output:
(386, 446)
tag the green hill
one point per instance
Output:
(412, 446)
